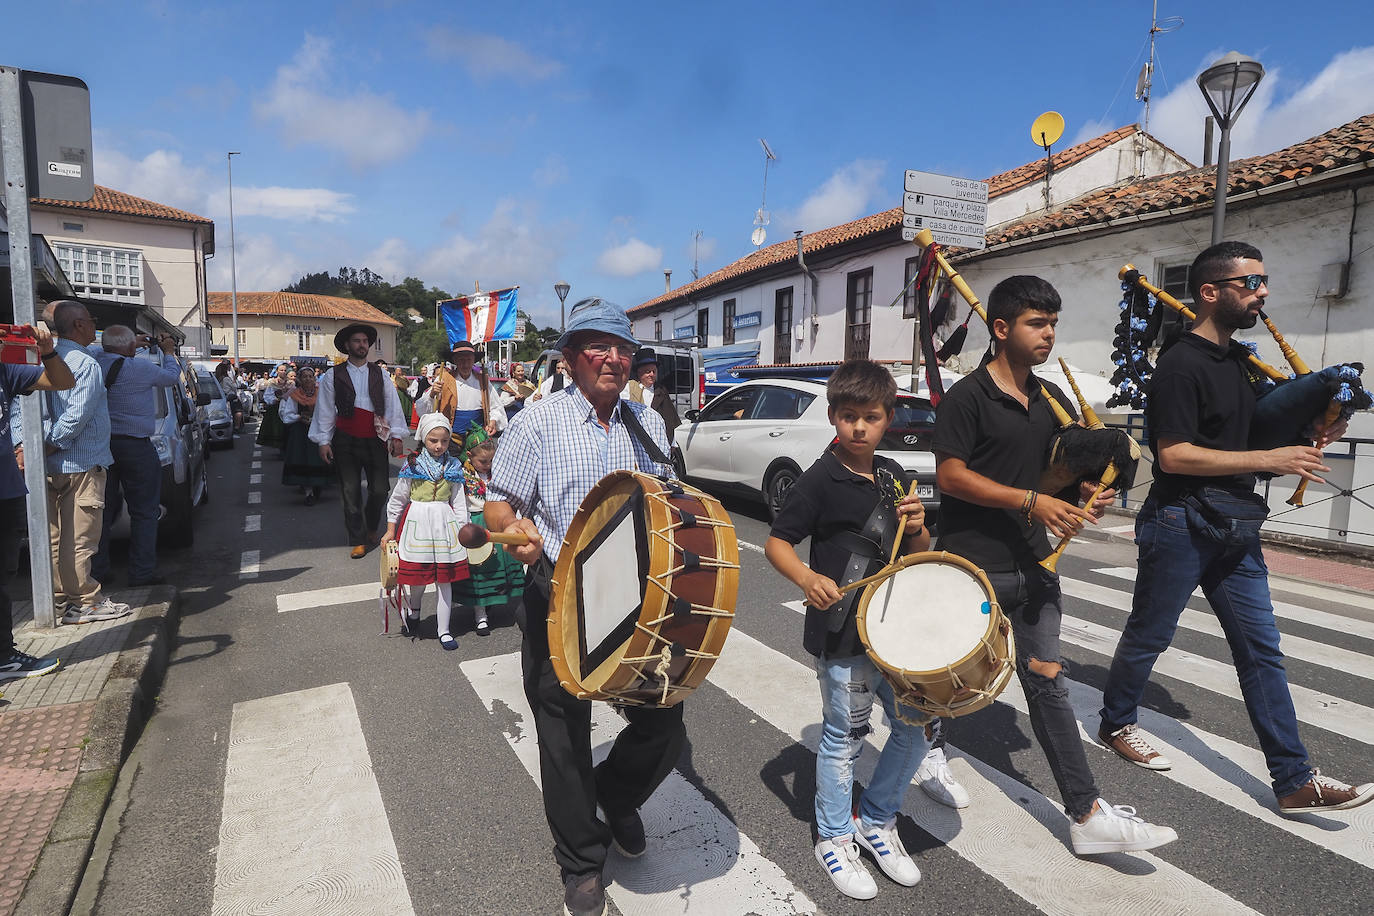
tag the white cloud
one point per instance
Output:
(367, 128)
(263, 263)
(847, 194)
(302, 204)
(391, 259)
(633, 257)
(554, 171)
(161, 176)
(1280, 113)
(487, 57)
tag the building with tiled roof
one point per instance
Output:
(276, 326)
(120, 248)
(763, 294)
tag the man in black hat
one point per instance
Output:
(357, 416)
(644, 388)
(466, 397)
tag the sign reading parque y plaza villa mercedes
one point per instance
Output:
(955, 210)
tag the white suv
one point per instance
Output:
(759, 436)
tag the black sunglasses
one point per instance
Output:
(1251, 281)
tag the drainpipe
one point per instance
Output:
(815, 285)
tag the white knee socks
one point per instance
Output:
(445, 606)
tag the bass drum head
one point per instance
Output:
(927, 616)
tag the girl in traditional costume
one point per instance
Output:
(499, 576)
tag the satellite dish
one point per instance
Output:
(1142, 83)
(758, 236)
(1047, 129)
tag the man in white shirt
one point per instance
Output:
(357, 415)
(460, 396)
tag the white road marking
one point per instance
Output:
(1007, 825)
(327, 597)
(754, 547)
(255, 465)
(248, 564)
(1327, 621)
(303, 827)
(254, 498)
(254, 478)
(252, 523)
(1309, 650)
(697, 861)
(1120, 529)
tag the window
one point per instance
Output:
(913, 267)
(727, 322)
(782, 404)
(73, 227)
(858, 307)
(658, 329)
(302, 341)
(733, 405)
(703, 325)
(103, 273)
(782, 326)
(1173, 279)
(243, 337)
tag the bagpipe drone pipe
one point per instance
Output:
(1289, 410)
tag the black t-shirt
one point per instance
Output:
(829, 501)
(995, 436)
(1200, 393)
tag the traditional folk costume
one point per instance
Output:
(497, 579)
(460, 400)
(428, 506)
(302, 465)
(271, 429)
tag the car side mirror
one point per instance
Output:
(202, 398)
(692, 415)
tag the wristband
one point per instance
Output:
(53, 355)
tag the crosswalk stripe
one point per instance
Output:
(1327, 621)
(254, 498)
(1216, 767)
(1308, 650)
(1007, 824)
(249, 564)
(698, 861)
(303, 828)
(327, 597)
(252, 523)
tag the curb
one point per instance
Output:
(125, 703)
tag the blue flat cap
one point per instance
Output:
(597, 314)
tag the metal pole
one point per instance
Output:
(233, 267)
(21, 287)
(1223, 167)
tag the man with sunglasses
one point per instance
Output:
(552, 454)
(1200, 526)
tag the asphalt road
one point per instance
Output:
(463, 817)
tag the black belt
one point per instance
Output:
(128, 438)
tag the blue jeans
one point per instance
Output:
(137, 475)
(848, 686)
(1173, 561)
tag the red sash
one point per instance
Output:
(360, 425)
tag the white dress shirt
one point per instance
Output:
(470, 398)
(326, 413)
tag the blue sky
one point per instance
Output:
(523, 143)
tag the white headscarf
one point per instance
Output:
(429, 422)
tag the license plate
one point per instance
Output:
(925, 490)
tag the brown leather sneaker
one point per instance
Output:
(1322, 793)
(357, 553)
(1128, 744)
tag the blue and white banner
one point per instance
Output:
(481, 316)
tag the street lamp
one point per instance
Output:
(562, 289)
(1227, 85)
(233, 268)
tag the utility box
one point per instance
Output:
(57, 136)
(1334, 281)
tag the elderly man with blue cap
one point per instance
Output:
(551, 456)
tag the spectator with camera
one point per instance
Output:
(134, 477)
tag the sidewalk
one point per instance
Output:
(63, 737)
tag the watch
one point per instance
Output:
(54, 354)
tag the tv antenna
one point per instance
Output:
(1145, 82)
(1045, 132)
(696, 249)
(761, 215)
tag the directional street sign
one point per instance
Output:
(950, 239)
(915, 203)
(947, 186)
(955, 210)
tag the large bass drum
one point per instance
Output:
(934, 629)
(644, 591)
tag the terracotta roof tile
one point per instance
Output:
(1349, 144)
(300, 305)
(815, 242)
(107, 200)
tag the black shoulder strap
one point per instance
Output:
(114, 372)
(627, 416)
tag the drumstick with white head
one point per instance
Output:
(472, 535)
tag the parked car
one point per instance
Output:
(219, 419)
(758, 437)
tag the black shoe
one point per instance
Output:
(584, 895)
(627, 833)
(151, 580)
(311, 499)
(482, 628)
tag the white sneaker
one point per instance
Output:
(888, 851)
(938, 782)
(109, 609)
(1116, 829)
(839, 856)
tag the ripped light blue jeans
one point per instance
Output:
(848, 687)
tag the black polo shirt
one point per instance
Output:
(995, 436)
(1200, 393)
(828, 500)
